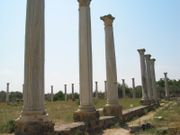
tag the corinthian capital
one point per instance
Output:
(108, 19)
(84, 3)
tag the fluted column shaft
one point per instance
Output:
(143, 74)
(85, 56)
(105, 89)
(34, 120)
(112, 89)
(34, 58)
(148, 76)
(153, 78)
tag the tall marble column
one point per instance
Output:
(148, 76)
(105, 89)
(86, 111)
(133, 88)
(153, 78)
(123, 88)
(166, 86)
(7, 93)
(96, 90)
(144, 99)
(52, 93)
(112, 107)
(34, 119)
(73, 98)
(65, 92)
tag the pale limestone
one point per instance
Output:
(153, 77)
(148, 76)
(112, 89)
(33, 94)
(85, 57)
(143, 75)
(112, 106)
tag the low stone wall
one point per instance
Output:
(104, 122)
(137, 112)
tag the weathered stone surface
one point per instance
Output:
(71, 129)
(110, 110)
(34, 128)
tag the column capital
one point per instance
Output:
(123, 80)
(153, 59)
(108, 19)
(84, 3)
(147, 56)
(141, 51)
(165, 74)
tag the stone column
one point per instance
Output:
(86, 111)
(153, 78)
(112, 107)
(144, 99)
(73, 98)
(148, 76)
(123, 88)
(166, 86)
(7, 93)
(96, 90)
(34, 119)
(52, 93)
(105, 89)
(65, 92)
(133, 88)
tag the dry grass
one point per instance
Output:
(60, 112)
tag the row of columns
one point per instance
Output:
(34, 119)
(149, 91)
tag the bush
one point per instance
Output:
(9, 127)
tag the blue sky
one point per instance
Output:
(150, 24)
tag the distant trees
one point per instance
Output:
(173, 86)
(13, 96)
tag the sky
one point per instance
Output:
(150, 24)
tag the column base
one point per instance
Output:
(86, 114)
(145, 102)
(112, 110)
(34, 125)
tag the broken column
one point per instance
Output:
(166, 86)
(73, 97)
(86, 111)
(52, 94)
(7, 93)
(123, 89)
(96, 90)
(105, 89)
(34, 119)
(112, 107)
(65, 92)
(144, 99)
(133, 88)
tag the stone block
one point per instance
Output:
(113, 110)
